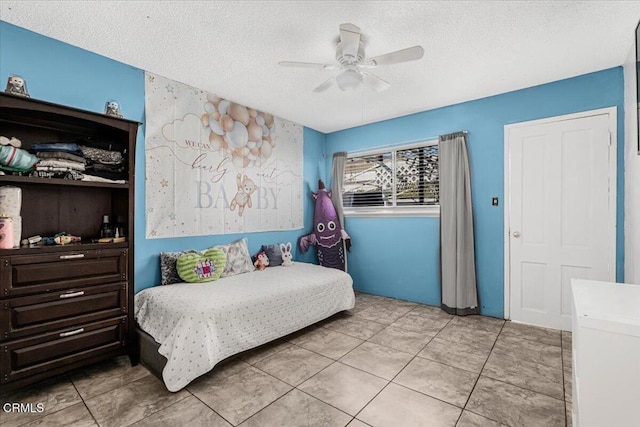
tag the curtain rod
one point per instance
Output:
(399, 144)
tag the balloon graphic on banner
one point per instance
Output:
(238, 131)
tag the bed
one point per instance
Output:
(195, 326)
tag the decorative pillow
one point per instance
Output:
(273, 253)
(238, 258)
(168, 271)
(199, 268)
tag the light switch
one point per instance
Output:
(494, 201)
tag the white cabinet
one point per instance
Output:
(606, 354)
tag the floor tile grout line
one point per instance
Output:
(115, 388)
(268, 356)
(153, 413)
(354, 367)
(132, 382)
(361, 370)
(480, 374)
(214, 411)
(537, 341)
(262, 409)
(444, 339)
(521, 386)
(396, 375)
(326, 403)
(43, 415)
(159, 410)
(372, 399)
(83, 401)
(333, 361)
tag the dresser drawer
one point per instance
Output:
(36, 314)
(48, 272)
(31, 356)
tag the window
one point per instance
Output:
(398, 181)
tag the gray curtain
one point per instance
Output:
(337, 181)
(457, 255)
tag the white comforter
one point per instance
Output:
(198, 325)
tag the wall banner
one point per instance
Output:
(217, 167)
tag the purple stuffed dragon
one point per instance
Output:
(328, 234)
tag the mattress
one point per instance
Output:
(199, 324)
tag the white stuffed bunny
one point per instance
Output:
(286, 254)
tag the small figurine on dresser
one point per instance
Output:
(16, 85)
(112, 108)
(62, 238)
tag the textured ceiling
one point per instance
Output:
(473, 49)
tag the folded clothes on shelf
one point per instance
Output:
(60, 163)
(60, 155)
(65, 147)
(105, 157)
(73, 175)
(93, 178)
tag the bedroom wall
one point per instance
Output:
(398, 257)
(632, 171)
(64, 74)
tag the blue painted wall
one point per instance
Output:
(398, 257)
(64, 74)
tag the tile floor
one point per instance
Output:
(385, 363)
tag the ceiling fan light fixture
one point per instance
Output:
(349, 80)
(353, 64)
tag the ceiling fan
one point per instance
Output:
(353, 66)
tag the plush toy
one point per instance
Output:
(262, 261)
(287, 258)
(328, 234)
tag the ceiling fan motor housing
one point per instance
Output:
(347, 59)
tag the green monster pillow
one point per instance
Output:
(204, 267)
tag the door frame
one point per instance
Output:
(612, 112)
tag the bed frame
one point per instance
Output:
(149, 356)
(151, 359)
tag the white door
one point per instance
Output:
(560, 182)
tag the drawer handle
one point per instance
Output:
(72, 294)
(74, 256)
(68, 334)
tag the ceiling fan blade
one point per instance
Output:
(403, 55)
(374, 82)
(325, 85)
(307, 65)
(350, 39)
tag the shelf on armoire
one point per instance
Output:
(80, 246)
(57, 181)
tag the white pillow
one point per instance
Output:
(238, 258)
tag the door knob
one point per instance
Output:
(516, 234)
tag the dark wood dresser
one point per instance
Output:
(66, 306)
